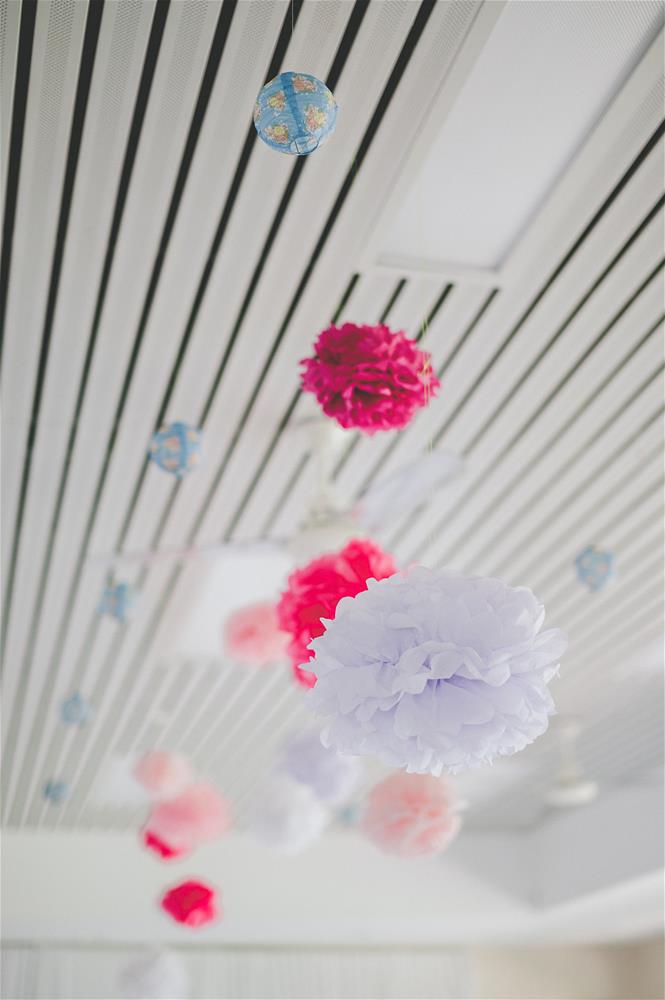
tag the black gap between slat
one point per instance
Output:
(21, 84)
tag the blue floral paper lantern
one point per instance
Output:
(75, 711)
(595, 568)
(295, 113)
(56, 792)
(118, 600)
(176, 448)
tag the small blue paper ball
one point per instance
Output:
(75, 711)
(117, 601)
(56, 792)
(350, 815)
(176, 448)
(595, 568)
(295, 113)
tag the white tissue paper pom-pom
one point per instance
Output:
(287, 816)
(157, 975)
(116, 787)
(432, 671)
(331, 776)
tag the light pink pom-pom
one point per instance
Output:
(162, 774)
(369, 377)
(252, 635)
(411, 815)
(198, 814)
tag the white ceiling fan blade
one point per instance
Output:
(407, 487)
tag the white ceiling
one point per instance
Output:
(162, 264)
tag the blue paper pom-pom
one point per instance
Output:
(117, 601)
(595, 568)
(75, 711)
(56, 792)
(176, 448)
(295, 113)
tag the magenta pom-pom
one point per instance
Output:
(315, 590)
(369, 377)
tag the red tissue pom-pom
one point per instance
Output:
(368, 377)
(164, 850)
(191, 903)
(315, 591)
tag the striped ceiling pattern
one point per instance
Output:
(158, 263)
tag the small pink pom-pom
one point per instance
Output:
(411, 815)
(369, 377)
(191, 903)
(252, 635)
(198, 814)
(315, 590)
(162, 774)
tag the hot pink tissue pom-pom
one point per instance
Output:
(162, 774)
(164, 851)
(411, 815)
(252, 635)
(191, 903)
(315, 590)
(198, 814)
(369, 377)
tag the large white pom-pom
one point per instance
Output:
(331, 776)
(433, 671)
(157, 975)
(287, 816)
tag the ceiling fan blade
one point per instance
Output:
(407, 487)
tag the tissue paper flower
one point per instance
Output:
(432, 671)
(198, 814)
(191, 903)
(118, 601)
(595, 568)
(331, 777)
(176, 448)
(315, 590)
(411, 815)
(368, 377)
(56, 792)
(162, 774)
(158, 975)
(252, 635)
(165, 851)
(287, 816)
(75, 711)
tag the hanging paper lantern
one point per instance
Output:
(56, 792)
(330, 776)
(295, 113)
(252, 635)
(595, 568)
(162, 774)
(287, 816)
(196, 815)
(315, 590)
(192, 903)
(157, 975)
(369, 378)
(176, 448)
(163, 850)
(75, 711)
(411, 815)
(432, 671)
(118, 601)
